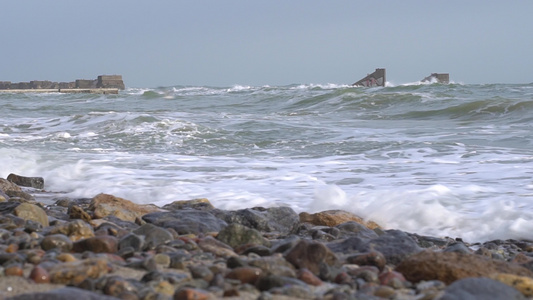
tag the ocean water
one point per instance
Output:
(435, 159)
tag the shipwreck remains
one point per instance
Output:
(437, 78)
(375, 79)
(103, 84)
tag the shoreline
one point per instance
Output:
(106, 246)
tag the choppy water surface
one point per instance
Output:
(447, 160)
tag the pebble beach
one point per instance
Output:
(107, 247)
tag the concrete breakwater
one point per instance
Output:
(103, 84)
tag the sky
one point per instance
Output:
(254, 42)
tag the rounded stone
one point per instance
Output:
(59, 241)
(14, 270)
(245, 274)
(97, 244)
(39, 275)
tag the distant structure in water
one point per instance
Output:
(104, 84)
(437, 77)
(375, 79)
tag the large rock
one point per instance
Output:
(395, 245)
(480, 289)
(186, 221)
(32, 212)
(7, 186)
(333, 218)
(108, 205)
(153, 235)
(34, 182)
(275, 219)
(13, 190)
(354, 229)
(451, 266)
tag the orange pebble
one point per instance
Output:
(14, 270)
(12, 248)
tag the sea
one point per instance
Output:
(446, 160)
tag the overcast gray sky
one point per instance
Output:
(228, 42)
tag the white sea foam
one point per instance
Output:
(310, 147)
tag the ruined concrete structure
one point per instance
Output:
(375, 79)
(438, 77)
(378, 79)
(103, 84)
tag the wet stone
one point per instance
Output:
(236, 235)
(59, 241)
(275, 219)
(133, 241)
(395, 245)
(32, 212)
(153, 235)
(372, 258)
(33, 182)
(310, 255)
(186, 221)
(97, 244)
(75, 230)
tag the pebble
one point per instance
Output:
(39, 275)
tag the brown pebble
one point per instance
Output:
(97, 244)
(14, 270)
(308, 277)
(39, 275)
(245, 274)
(190, 294)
